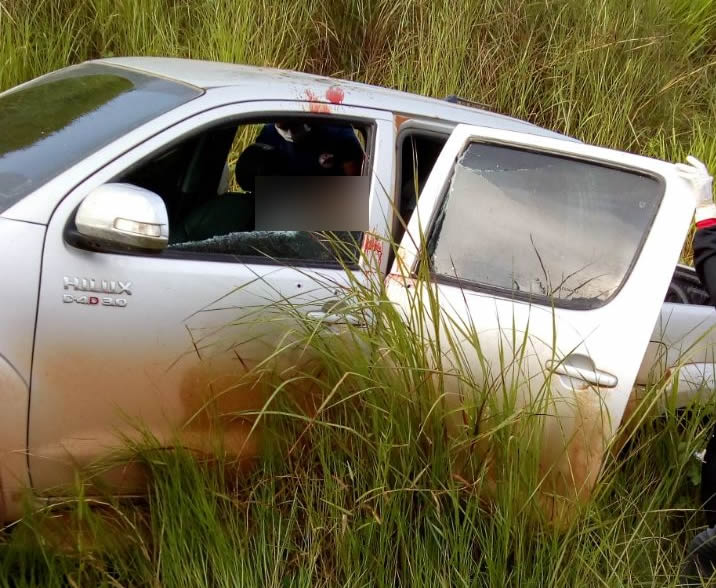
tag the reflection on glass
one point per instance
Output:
(56, 121)
(40, 111)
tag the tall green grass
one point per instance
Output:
(613, 72)
(367, 488)
(368, 496)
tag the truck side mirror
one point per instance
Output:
(125, 216)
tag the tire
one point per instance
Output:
(701, 559)
(708, 481)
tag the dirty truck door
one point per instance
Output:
(556, 256)
(167, 353)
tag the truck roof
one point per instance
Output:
(251, 82)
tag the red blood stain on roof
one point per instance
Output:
(335, 95)
(315, 105)
(319, 108)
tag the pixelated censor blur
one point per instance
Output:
(312, 203)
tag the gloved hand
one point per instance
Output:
(698, 176)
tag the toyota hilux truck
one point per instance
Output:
(131, 235)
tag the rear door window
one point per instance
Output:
(58, 120)
(542, 225)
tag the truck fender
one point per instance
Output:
(14, 478)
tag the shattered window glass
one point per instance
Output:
(542, 225)
(288, 246)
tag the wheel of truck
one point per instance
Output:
(701, 558)
(708, 480)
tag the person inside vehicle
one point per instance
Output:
(260, 159)
(285, 148)
(314, 149)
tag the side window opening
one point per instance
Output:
(418, 151)
(266, 189)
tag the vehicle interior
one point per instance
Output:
(418, 151)
(207, 183)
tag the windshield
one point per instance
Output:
(56, 121)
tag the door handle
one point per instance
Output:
(333, 318)
(586, 373)
(335, 312)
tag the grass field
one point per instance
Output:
(368, 497)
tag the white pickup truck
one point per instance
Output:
(131, 237)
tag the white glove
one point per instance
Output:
(698, 176)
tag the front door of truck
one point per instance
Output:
(184, 324)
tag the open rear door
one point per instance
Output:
(562, 252)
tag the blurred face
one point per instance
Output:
(292, 131)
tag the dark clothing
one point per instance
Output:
(321, 152)
(258, 159)
(705, 259)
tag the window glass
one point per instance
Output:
(541, 224)
(56, 121)
(286, 246)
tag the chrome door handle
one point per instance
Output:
(333, 318)
(589, 375)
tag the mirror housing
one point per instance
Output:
(124, 215)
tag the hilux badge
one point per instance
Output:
(99, 286)
(115, 287)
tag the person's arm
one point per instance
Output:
(705, 216)
(349, 151)
(352, 167)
